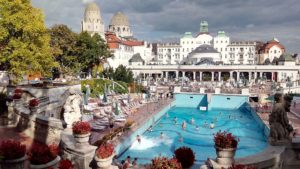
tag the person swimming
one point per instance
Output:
(138, 138)
(212, 125)
(197, 128)
(192, 121)
(161, 135)
(181, 139)
(216, 119)
(183, 125)
(205, 124)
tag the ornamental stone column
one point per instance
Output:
(219, 73)
(194, 76)
(231, 75)
(212, 76)
(200, 78)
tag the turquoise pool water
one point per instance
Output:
(241, 124)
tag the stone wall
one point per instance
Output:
(44, 129)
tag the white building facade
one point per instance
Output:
(168, 53)
(242, 52)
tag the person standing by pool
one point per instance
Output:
(183, 125)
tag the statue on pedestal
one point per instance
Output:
(280, 128)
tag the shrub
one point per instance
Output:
(185, 156)
(12, 149)
(225, 140)
(105, 150)
(81, 127)
(65, 164)
(165, 163)
(241, 166)
(17, 96)
(33, 103)
(41, 153)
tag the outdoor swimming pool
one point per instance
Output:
(242, 124)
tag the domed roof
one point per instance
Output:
(119, 19)
(92, 7)
(92, 10)
(204, 49)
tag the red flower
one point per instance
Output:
(65, 164)
(241, 166)
(81, 127)
(225, 140)
(105, 150)
(165, 163)
(17, 96)
(12, 149)
(41, 153)
(18, 90)
(33, 103)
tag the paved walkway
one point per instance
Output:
(142, 114)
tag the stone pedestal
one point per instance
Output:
(81, 157)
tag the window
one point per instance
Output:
(221, 41)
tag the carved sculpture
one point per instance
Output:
(280, 127)
(72, 111)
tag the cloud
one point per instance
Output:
(87, 1)
(160, 19)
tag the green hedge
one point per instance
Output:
(97, 86)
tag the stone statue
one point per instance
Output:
(280, 127)
(72, 111)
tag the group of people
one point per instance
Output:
(205, 125)
(126, 164)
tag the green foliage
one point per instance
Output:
(24, 40)
(64, 49)
(98, 86)
(91, 51)
(121, 73)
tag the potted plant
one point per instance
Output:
(12, 154)
(185, 156)
(33, 104)
(226, 145)
(81, 132)
(104, 155)
(165, 163)
(241, 166)
(42, 156)
(65, 164)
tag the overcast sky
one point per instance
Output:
(156, 20)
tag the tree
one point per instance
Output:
(63, 44)
(24, 40)
(92, 51)
(121, 73)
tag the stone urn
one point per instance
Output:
(33, 109)
(54, 163)
(104, 163)
(13, 164)
(81, 139)
(225, 156)
(17, 101)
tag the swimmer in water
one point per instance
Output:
(138, 138)
(161, 135)
(183, 125)
(197, 128)
(212, 125)
(205, 124)
(192, 121)
(216, 119)
(181, 139)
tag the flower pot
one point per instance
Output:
(225, 156)
(104, 163)
(53, 163)
(17, 101)
(81, 139)
(13, 164)
(33, 109)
